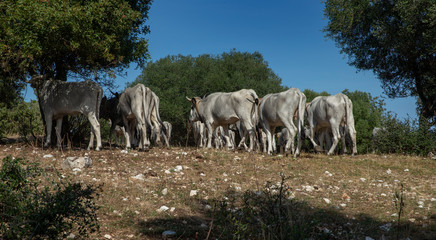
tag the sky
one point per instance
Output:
(288, 34)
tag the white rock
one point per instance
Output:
(165, 191)
(124, 151)
(369, 238)
(326, 200)
(48, 156)
(163, 209)
(363, 179)
(172, 209)
(203, 225)
(308, 188)
(406, 170)
(139, 177)
(107, 236)
(328, 173)
(184, 153)
(193, 193)
(433, 199)
(76, 162)
(394, 215)
(386, 227)
(383, 194)
(168, 234)
(388, 171)
(167, 172)
(202, 174)
(71, 236)
(178, 168)
(207, 207)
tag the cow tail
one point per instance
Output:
(147, 98)
(255, 109)
(349, 118)
(157, 103)
(99, 97)
(301, 110)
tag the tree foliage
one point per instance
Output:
(394, 39)
(74, 37)
(174, 77)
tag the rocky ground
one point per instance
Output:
(148, 193)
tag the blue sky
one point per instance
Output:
(287, 33)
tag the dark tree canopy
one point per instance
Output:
(394, 39)
(71, 38)
(174, 77)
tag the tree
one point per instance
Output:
(394, 39)
(174, 77)
(71, 38)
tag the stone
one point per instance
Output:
(169, 234)
(76, 162)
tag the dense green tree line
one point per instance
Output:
(174, 77)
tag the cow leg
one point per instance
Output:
(343, 140)
(210, 132)
(267, 130)
(229, 145)
(129, 132)
(48, 122)
(273, 139)
(352, 133)
(336, 137)
(96, 130)
(58, 132)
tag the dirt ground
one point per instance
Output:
(147, 193)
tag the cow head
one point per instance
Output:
(194, 114)
(36, 81)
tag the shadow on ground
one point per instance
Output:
(269, 214)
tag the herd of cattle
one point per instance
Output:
(214, 118)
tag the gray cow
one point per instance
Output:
(134, 109)
(278, 109)
(222, 109)
(332, 112)
(58, 99)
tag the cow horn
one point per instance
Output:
(188, 99)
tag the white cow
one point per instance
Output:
(134, 109)
(222, 109)
(278, 109)
(332, 112)
(58, 98)
(200, 133)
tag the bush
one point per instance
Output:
(265, 214)
(405, 137)
(30, 211)
(23, 119)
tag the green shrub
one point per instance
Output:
(30, 211)
(405, 137)
(265, 214)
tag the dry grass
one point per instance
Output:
(360, 189)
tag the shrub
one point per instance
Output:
(265, 214)
(30, 211)
(405, 137)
